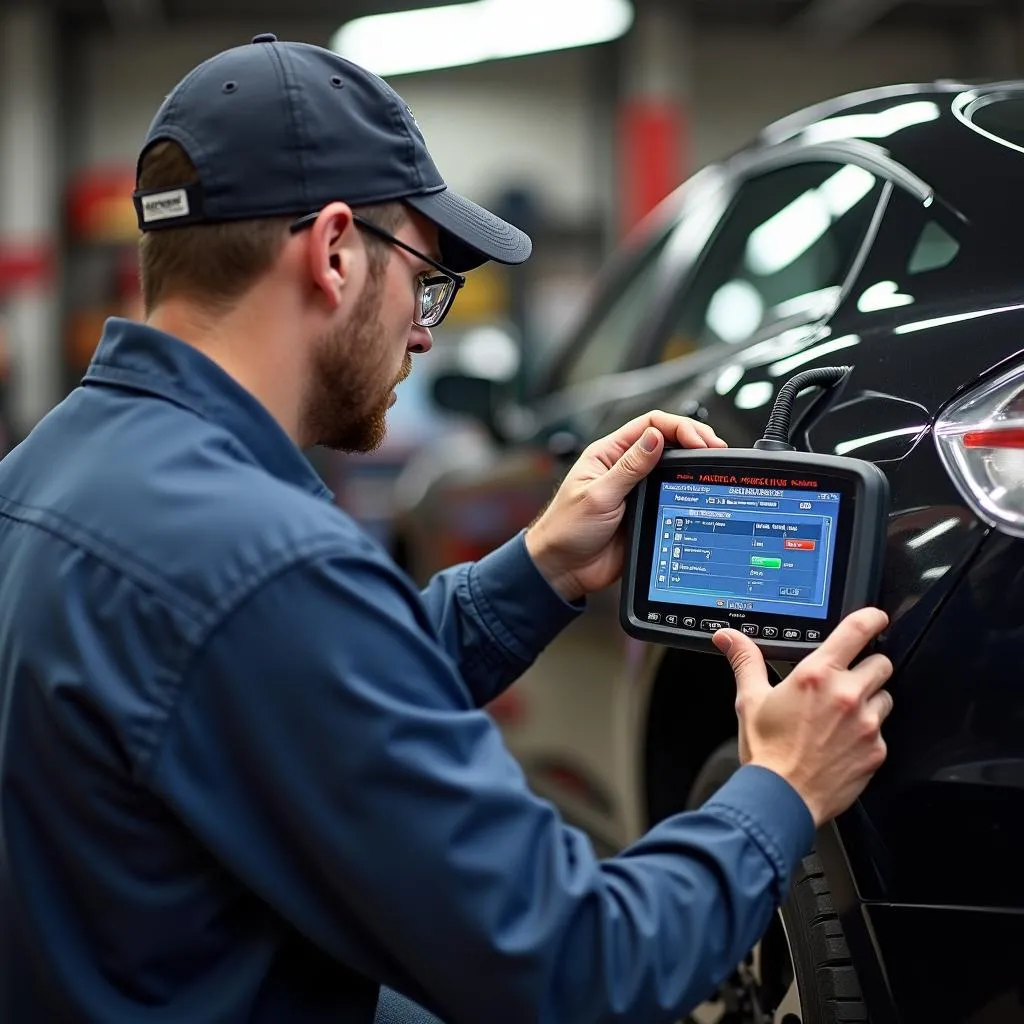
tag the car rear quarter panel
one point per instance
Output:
(942, 824)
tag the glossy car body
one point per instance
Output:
(926, 870)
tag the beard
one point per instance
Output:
(347, 406)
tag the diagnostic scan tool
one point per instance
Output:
(776, 543)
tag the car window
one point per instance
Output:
(605, 350)
(935, 249)
(781, 252)
(608, 344)
(916, 257)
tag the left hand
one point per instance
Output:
(576, 543)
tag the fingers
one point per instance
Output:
(871, 674)
(629, 469)
(746, 661)
(851, 636)
(633, 451)
(880, 705)
(693, 434)
(686, 433)
(679, 430)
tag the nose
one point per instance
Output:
(420, 339)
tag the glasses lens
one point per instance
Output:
(435, 297)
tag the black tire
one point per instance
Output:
(811, 935)
(830, 991)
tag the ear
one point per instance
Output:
(331, 249)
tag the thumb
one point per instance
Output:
(633, 465)
(746, 661)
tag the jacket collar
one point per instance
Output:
(131, 355)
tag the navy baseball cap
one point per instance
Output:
(282, 128)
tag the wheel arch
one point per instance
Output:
(690, 712)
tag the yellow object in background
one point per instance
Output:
(485, 297)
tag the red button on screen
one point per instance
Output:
(797, 544)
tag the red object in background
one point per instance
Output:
(508, 708)
(99, 205)
(26, 265)
(652, 162)
(127, 282)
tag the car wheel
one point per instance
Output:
(801, 971)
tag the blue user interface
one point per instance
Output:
(745, 548)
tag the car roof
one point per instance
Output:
(928, 129)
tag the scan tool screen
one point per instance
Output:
(751, 549)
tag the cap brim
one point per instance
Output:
(471, 235)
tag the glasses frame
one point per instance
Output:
(458, 280)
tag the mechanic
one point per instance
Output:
(245, 771)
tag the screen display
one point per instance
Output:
(754, 549)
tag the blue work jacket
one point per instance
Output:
(244, 770)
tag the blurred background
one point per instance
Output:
(572, 118)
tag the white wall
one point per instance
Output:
(535, 120)
(124, 78)
(519, 122)
(743, 80)
(529, 121)
(29, 203)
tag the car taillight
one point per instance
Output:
(980, 438)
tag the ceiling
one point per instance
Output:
(832, 18)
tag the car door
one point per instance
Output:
(768, 282)
(776, 265)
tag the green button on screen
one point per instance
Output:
(764, 562)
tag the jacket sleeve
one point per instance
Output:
(345, 775)
(495, 616)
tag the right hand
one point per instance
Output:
(820, 728)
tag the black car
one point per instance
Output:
(911, 908)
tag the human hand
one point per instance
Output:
(820, 727)
(577, 543)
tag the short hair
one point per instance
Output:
(216, 264)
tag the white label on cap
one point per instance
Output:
(165, 205)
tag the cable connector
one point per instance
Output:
(776, 433)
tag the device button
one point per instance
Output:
(813, 635)
(791, 634)
(689, 622)
(770, 632)
(798, 544)
(671, 620)
(654, 616)
(751, 628)
(713, 624)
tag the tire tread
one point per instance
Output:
(836, 976)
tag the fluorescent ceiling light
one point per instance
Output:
(471, 33)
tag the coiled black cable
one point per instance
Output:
(776, 433)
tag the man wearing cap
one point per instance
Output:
(244, 773)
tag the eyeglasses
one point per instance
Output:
(435, 292)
